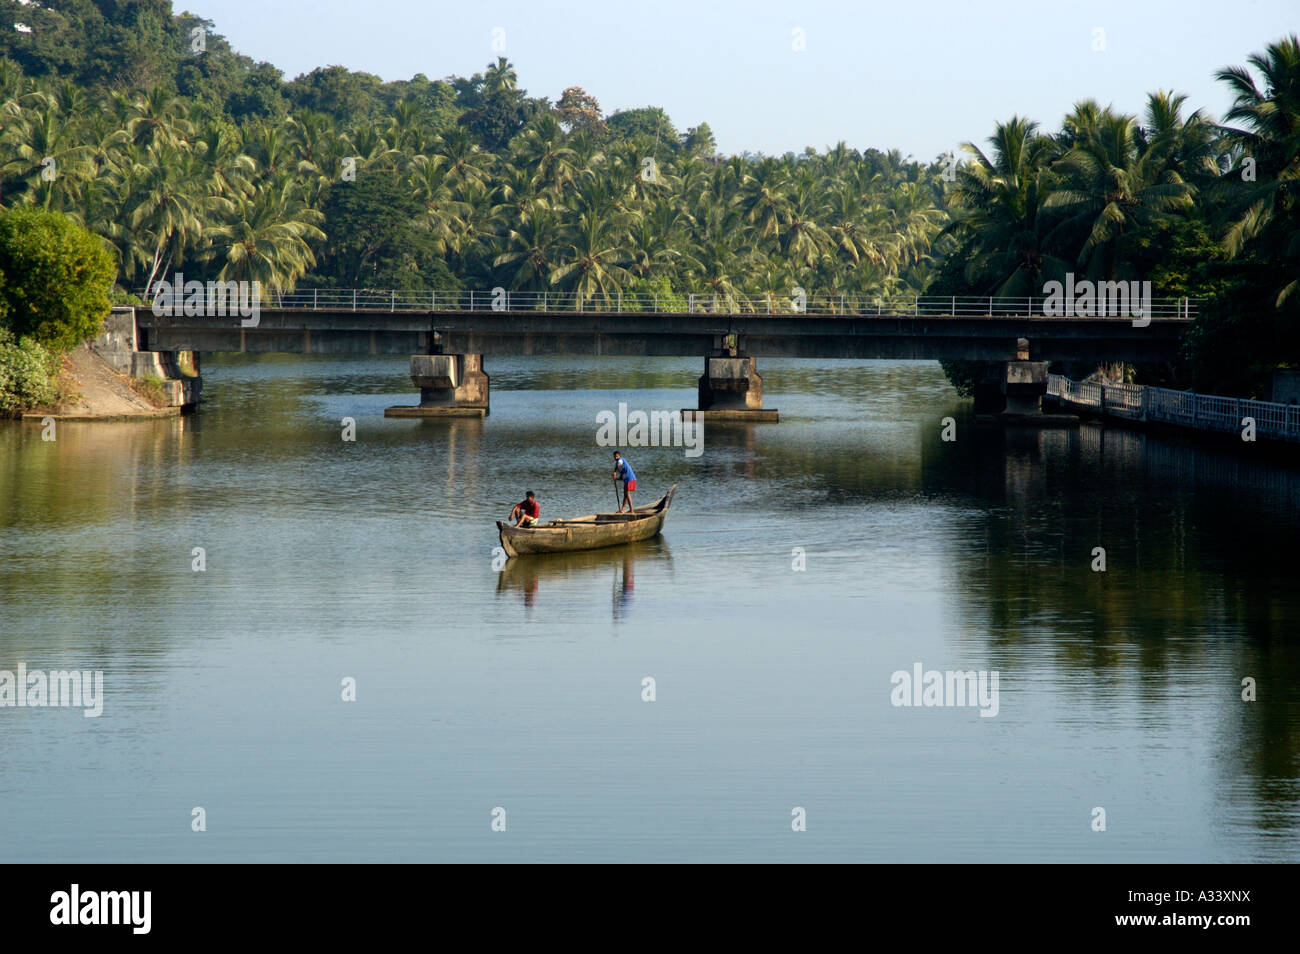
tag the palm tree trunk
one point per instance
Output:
(154, 269)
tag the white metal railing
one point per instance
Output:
(1184, 408)
(500, 299)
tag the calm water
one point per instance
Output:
(523, 688)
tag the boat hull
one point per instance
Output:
(592, 532)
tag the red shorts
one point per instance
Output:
(631, 486)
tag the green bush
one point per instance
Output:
(27, 374)
(120, 296)
(657, 289)
(54, 278)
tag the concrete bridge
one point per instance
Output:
(449, 334)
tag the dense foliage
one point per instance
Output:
(149, 130)
(55, 278)
(1200, 209)
(27, 373)
(340, 179)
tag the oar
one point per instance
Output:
(618, 502)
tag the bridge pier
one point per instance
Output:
(1023, 385)
(730, 390)
(1012, 393)
(451, 385)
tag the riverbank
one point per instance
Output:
(98, 392)
(108, 378)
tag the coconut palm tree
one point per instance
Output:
(803, 239)
(1191, 147)
(719, 256)
(228, 167)
(432, 185)
(464, 160)
(998, 216)
(914, 221)
(1106, 184)
(540, 149)
(846, 219)
(531, 246)
(762, 198)
(50, 155)
(591, 258)
(500, 77)
(158, 119)
(169, 204)
(267, 238)
(1266, 117)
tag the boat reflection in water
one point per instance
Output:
(570, 577)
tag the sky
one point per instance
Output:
(920, 76)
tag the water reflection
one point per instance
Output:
(525, 575)
(372, 558)
(1195, 595)
(456, 445)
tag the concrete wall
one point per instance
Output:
(118, 342)
(119, 345)
(1286, 386)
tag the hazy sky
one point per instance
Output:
(920, 76)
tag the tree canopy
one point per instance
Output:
(55, 278)
(150, 131)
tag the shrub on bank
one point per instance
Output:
(27, 373)
(55, 278)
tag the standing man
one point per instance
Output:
(526, 511)
(623, 471)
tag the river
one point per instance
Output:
(803, 565)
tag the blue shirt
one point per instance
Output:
(626, 469)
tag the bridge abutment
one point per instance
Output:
(174, 373)
(731, 390)
(451, 385)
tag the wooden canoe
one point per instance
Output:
(587, 533)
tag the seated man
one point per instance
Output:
(526, 511)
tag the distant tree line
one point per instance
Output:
(150, 131)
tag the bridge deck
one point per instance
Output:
(534, 332)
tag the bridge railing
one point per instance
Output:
(372, 300)
(1185, 408)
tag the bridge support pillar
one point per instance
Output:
(730, 390)
(451, 385)
(1021, 386)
